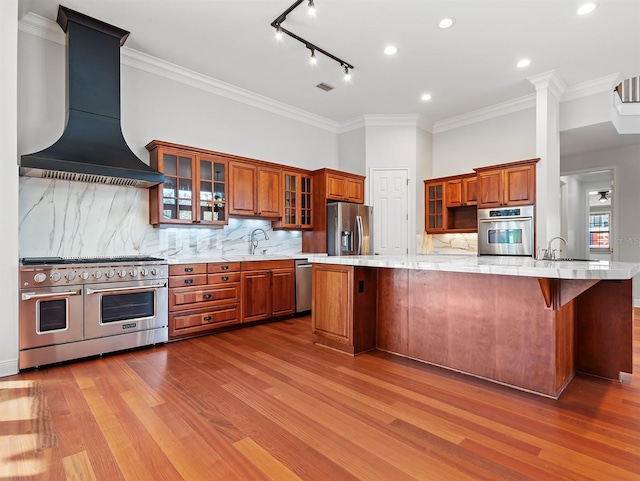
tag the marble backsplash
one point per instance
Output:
(77, 219)
(448, 244)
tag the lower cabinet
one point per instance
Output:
(268, 289)
(343, 312)
(203, 297)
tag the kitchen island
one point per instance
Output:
(516, 321)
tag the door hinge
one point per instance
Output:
(407, 181)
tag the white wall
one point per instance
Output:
(508, 138)
(9, 188)
(627, 197)
(352, 152)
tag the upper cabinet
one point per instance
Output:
(195, 186)
(255, 190)
(462, 191)
(297, 197)
(343, 186)
(450, 204)
(507, 184)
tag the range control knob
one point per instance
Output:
(97, 274)
(40, 277)
(133, 272)
(144, 271)
(110, 273)
(84, 276)
(70, 275)
(154, 271)
(55, 277)
(122, 273)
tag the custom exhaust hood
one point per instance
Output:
(92, 147)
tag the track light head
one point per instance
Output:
(313, 59)
(312, 8)
(278, 32)
(347, 73)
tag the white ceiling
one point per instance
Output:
(465, 68)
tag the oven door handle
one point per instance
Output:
(135, 288)
(26, 296)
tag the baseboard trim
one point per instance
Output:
(8, 367)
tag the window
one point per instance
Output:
(599, 230)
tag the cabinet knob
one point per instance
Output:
(224, 268)
(188, 281)
(206, 318)
(206, 296)
(225, 278)
(188, 269)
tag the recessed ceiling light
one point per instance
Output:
(525, 62)
(390, 50)
(425, 97)
(587, 8)
(447, 22)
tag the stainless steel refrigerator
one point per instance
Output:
(349, 229)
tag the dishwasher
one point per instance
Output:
(303, 286)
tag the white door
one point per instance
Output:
(390, 211)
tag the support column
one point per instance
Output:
(549, 88)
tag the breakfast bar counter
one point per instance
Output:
(517, 321)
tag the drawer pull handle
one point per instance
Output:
(225, 278)
(188, 281)
(206, 296)
(224, 268)
(207, 318)
(188, 269)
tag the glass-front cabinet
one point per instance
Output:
(297, 211)
(435, 215)
(194, 190)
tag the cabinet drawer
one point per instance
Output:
(185, 281)
(187, 269)
(223, 278)
(203, 320)
(217, 267)
(267, 265)
(204, 297)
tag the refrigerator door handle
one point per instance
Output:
(360, 234)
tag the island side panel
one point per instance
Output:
(605, 329)
(491, 326)
(393, 310)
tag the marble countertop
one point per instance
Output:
(239, 258)
(499, 265)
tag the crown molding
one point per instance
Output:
(592, 87)
(42, 27)
(487, 113)
(549, 81)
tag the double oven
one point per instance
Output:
(78, 307)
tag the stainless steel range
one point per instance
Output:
(78, 307)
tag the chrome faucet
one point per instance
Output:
(254, 241)
(549, 254)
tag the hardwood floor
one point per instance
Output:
(266, 403)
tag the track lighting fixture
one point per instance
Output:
(312, 8)
(278, 33)
(347, 74)
(313, 59)
(277, 24)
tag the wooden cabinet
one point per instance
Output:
(450, 204)
(255, 190)
(435, 212)
(343, 308)
(344, 187)
(461, 191)
(507, 184)
(329, 185)
(203, 297)
(297, 208)
(195, 186)
(268, 289)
